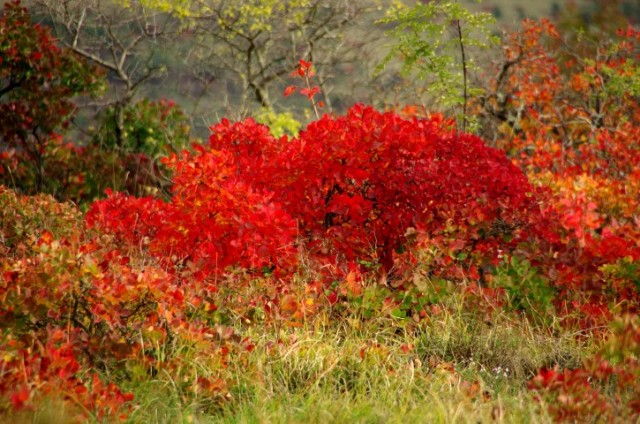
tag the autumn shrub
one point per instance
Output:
(356, 183)
(606, 386)
(46, 369)
(212, 222)
(83, 313)
(72, 300)
(565, 110)
(38, 81)
(352, 189)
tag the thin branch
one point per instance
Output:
(79, 27)
(465, 93)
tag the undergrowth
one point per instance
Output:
(454, 367)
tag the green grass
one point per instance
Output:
(455, 367)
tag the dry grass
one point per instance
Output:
(456, 367)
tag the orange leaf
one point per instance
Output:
(352, 284)
(289, 304)
(45, 238)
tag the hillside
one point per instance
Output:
(299, 211)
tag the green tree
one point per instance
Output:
(437, 42)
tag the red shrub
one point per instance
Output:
(353, 184)
(356, 183)
(214, 219)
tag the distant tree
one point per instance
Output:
(128, 43)
(260, 41)
(590, 21)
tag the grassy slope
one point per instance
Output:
(454, 367)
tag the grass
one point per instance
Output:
(457, 366)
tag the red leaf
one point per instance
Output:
(304, 64)
(19, 398)
(310, 92)
(289, 90)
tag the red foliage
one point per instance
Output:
(48, 368)
(214, 219)
(569, 117)
(356, 183)
(577, 399)
(305, 72)
(581, 394)
(69, 302)
(37, 80)
(353, 185)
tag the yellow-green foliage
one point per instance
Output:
(253, 14)
(279, 123)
